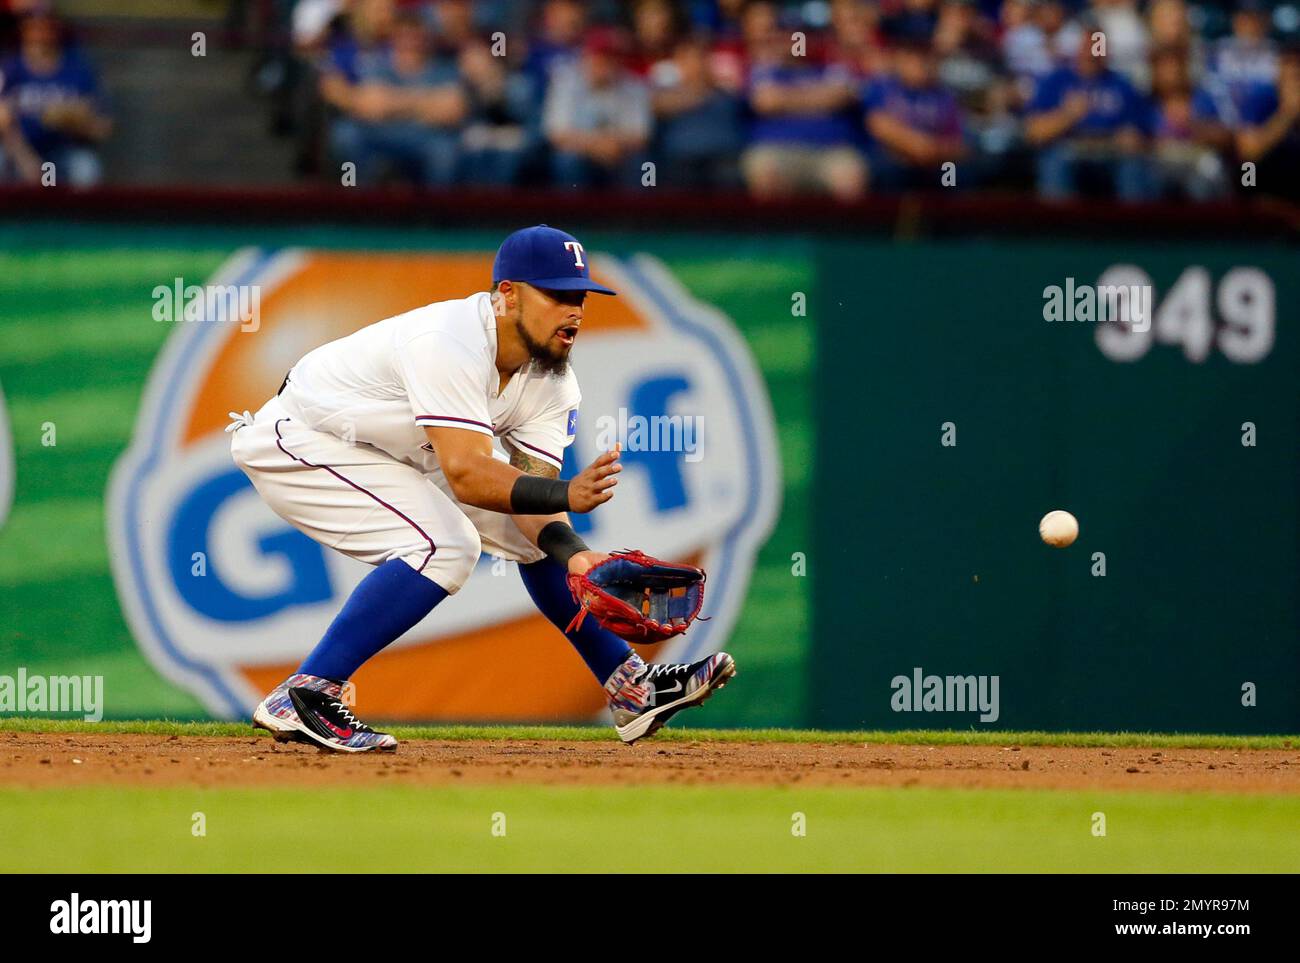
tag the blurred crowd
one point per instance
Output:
(1116, 98)
(845, 97)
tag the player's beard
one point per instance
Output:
(550, 361)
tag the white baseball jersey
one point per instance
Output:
(387, 497)
(435, 366)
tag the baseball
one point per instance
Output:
(1058, 529)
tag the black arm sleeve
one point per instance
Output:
(561, 542)
(539, 496)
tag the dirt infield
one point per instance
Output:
(46, 760)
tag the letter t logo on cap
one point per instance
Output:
(576, 249)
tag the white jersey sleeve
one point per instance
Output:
(547, 434)
(446, 381)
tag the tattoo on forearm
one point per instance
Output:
(529, 465)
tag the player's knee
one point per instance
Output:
(465, 546)
(455, 555)
(469, 546)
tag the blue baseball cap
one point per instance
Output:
(545, 258)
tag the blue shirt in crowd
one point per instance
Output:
(1242, 66)
(543, 60)
(357, 62)
(1258, 105)
(31, 94)
(822, 129)
(932, 110)
(711, 129)
(1113, 103)
(380, 70)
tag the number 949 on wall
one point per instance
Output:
(1238, 317)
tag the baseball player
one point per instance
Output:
(380, 445)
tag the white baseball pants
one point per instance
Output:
(366, 504)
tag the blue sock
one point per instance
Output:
(601, 649)
(385, 604)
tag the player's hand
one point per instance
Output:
(594, 485)
(583, 562)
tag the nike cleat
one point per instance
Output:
(307, 708)
(644, 697)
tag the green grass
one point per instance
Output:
(405, 829)
(918, 737)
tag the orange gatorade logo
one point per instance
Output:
(225, 598)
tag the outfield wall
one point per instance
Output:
(191, 597)
(856, 549)
(952, 415)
